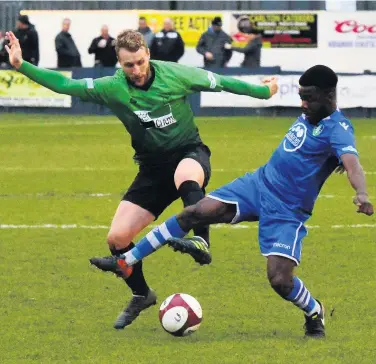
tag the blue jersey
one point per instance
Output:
(305, 159)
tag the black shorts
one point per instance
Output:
(154, 188)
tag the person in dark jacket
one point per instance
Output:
(212, 45)
(3, 53)
(252, 50)
(67, 53)
(167, 44)
(104, 49)
(28, 38)
(145, 31)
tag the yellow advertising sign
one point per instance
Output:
(189, 25)
(18, 90)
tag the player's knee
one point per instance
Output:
(119, 239)
(281, 283)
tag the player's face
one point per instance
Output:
(316, 105)
(135, 65)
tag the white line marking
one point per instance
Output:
(355, 226)
(115, 169)
(57, 195)
(99, 194)
(115, 195)
(64, 169)
(218, 226)
(68, 122)
(327, 196)
(52, 226)
(373, 137)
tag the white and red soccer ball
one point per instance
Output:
(180, 314)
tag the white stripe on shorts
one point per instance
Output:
(296, 238)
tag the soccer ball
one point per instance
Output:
(180, 314)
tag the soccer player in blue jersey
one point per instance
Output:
(280, 195)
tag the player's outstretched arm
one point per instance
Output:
(53, 80)
(357, 179)
(266, 90)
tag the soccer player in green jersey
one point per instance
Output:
(150, 99)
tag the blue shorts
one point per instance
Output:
(281, 232)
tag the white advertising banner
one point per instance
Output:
(346, 41)
(348, 30)
(352, 91)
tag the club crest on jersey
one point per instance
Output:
(160, 118)
(295, 137)
(318, 130)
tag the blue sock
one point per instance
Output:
(154, 240)
(301, 297)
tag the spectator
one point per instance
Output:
(67, 53)
(3, 52)
(104, 49)
(167, 44)
(252, 51)
(145, 31)
(212, 45)
(28, 38)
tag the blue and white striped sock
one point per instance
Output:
(301, 297)
(154, 240)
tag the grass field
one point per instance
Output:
(70, 172)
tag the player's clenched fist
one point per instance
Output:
(364, 205)
(14, 50)
(272, 83)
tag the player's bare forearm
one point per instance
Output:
(52, 80)
(355, 172)
(357, 179)
(239, 87)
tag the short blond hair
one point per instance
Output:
(131, 40)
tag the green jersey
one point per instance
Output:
(159, 119)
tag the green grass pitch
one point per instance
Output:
(70, 172)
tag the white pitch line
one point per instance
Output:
(115, 169)
(52, 226)
(68, 122)
(57, 195)
(107, 194)
(373, 137)
(99, 194)
(327, 196)
(64, 169)
(218, 226)
(354, 226)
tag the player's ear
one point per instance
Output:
(332, 95)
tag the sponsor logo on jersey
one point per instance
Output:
(350, 148)
(295, 137)
(280, 245)
(318, 130)
(159, 119)
(344, 125)
(213, 82)
(89, 83)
